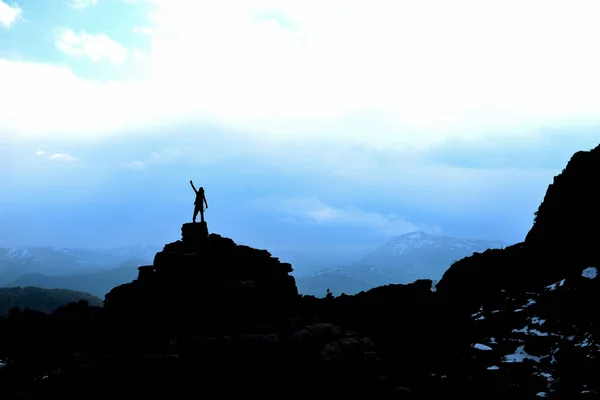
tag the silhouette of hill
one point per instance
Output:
(42, 300)
(97, 283)
(216, 319)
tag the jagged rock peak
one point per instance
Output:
(559, 245)
(570, 207)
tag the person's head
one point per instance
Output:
(201, 189)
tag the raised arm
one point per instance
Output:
(193, 187)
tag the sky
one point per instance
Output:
(321, 127)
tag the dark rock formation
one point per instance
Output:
(570, 208)
(560, 243)
(231, 285)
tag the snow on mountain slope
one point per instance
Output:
(404, 259)
(419, 240)
(18, 253)
(420, 255)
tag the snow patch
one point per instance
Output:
(542, 394)
(478, 315)
(536, 320)
(585, 343)
(525, 330)
(590, 273)
(538, 333)
(62, 250)
(18, 252)
(519, 355)
(493, 368)
(530, 302)
(555, 285)
(546, 375)
(480, 346)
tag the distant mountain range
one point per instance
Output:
(97, 283)
(39, 263)
(403, 259)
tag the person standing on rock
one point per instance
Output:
(199, 203)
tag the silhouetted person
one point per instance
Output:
(199, 203)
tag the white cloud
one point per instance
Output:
(138, 54)
(56, 156)
(165, 156)
(415, 70)
(382, 73)
(81, 4)
(144, 31)
(62, 157)
(313, 210)
(9, 14)
(96, 47)
(136, 164)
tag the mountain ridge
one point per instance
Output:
(402, 259)
(96, 282)
(60, 261)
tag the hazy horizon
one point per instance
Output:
(321, 128)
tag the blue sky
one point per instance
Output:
(322, 127)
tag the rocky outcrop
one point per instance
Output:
(230, 285)
(570, 211)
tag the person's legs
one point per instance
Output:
(201, 214)
(196, 209)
